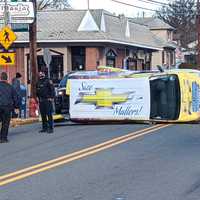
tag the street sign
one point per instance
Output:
(47, 59)
(47, 56)
(7, 58)
(20, 27)
(19, 12)
(7, 37)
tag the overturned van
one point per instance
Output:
(170, 96)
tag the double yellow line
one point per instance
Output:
(26, 172)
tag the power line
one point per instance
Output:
(158, 2)
(146, 1)
(149, 9)
(127, 4)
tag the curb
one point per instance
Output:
(20, 122)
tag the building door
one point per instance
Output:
(78, 58)
(110, 58)
(131, 64)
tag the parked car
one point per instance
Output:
(62, 99)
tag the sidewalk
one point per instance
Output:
(18, 121)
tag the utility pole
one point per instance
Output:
(33, 63)
(198, 33)
(6, 13)
(88, 4)
(33, 52)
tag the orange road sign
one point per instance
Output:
(7, 58)
(7, 37)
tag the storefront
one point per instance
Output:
(56, 66)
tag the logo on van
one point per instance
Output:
(104, 98)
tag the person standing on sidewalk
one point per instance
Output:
(16, 84)
(9, 100)
(45, 92)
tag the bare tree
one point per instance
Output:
(181, 14)
(52, 4)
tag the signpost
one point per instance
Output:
(19, 12)
(15, 14)
(7, 58)
(7, 37)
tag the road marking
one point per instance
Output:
(26, 172)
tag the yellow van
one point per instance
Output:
(169, 96)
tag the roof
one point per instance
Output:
(153, 23)
(62, 26)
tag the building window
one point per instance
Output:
(147, 65)
(168, 58)
(110, 58)
(140, 64)
(78, 58)
(171, 58)
(56, 67)
(169, 35)
(163, 57)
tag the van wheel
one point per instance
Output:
(152, 123)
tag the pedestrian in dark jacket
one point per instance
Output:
(8, 101)
(45, 92)
(16, 84)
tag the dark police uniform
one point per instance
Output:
(8, 101)
(45, 92)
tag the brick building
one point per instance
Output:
(82, 40)
(165, 34)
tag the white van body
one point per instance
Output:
(110, 99)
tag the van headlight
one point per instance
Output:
(60, 93)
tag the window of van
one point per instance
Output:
(165, 97)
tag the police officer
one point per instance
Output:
(8, 101)
(45, 92)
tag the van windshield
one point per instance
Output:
(63, 82)
(165, 97)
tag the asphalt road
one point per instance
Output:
(162, 164)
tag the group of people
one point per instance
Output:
(10, 101)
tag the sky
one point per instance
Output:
(117, 8)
